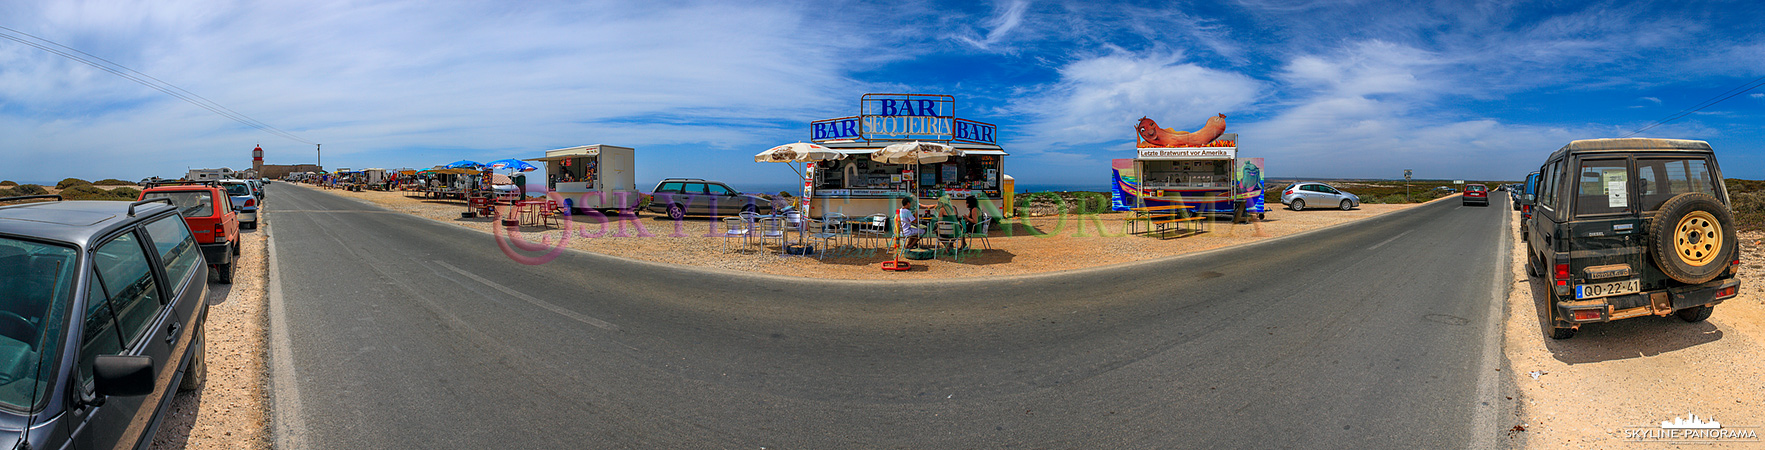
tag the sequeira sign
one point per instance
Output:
(902, 117)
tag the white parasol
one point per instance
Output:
(798, 152)
(915, 153)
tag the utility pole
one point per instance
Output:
(1406, 186)
(320, 148)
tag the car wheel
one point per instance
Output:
(1692, 239)
(235, 248)
(1695, 314)
(1298, 205)
(196, 374)
(751, 208)
(224, 273)
(1346, 205)
(676, 212)
(1562, 333)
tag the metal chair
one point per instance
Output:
(947, 234)
(794, 222)
(735, 228)
(830, 234)
(771, 228)
(980, 232)
(873, 229)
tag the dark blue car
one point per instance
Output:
(101, 316)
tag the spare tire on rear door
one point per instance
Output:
(1692, 238)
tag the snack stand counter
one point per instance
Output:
(600, 177)
(857, 186)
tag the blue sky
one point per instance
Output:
(1452, 89)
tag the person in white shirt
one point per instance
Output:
(905, 220)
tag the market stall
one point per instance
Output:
(858, 185)
(1200, 171)
(599, 177)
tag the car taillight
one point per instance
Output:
(1587, 314)
(1727, 291)
(220, 232)
(1561, 275)
(251, 202)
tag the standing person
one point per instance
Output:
(904, 220)
(521, 184)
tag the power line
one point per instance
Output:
(144, 80)
(1712, 101)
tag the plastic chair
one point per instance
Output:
(548, 214)
(735, 228)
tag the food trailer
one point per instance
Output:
(858, 186)
(599, 177)
(1209, 177)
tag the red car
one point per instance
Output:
(1476, 193)
(208, 211)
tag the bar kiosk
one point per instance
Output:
(859, 186)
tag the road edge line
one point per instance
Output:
(1485, 432)
(287, 427)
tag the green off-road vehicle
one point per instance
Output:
(1626, 228)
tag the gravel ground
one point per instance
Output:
(231, 410)
(1638, 372)
(1069, 242)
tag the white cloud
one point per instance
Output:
(1368, 110)
(1098, 100)
(499, 78)
(1758, 95)
(1008, 20)
(1651, 100)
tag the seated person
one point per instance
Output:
(905, 219)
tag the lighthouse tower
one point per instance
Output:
(257, 161)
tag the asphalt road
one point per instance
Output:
(400, 332)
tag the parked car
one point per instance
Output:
(1446, 189)
(678, 197)
(1629, 228)
(1520, 191)
(245, 201)
(103, 317)
(208, 212)
(1475, 194)
(1299, 195)
(1523, 202)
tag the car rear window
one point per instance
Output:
(1602, 186)
(238, 189)
(189, 203)
(1659, 179)
(36, 281)
(669, 188)
(1477, 188)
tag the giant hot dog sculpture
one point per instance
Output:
(1153, 136)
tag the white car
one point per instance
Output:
(1300, 195)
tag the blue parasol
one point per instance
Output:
(464, 164)
(513, 164)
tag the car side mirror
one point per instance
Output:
(120, 375)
